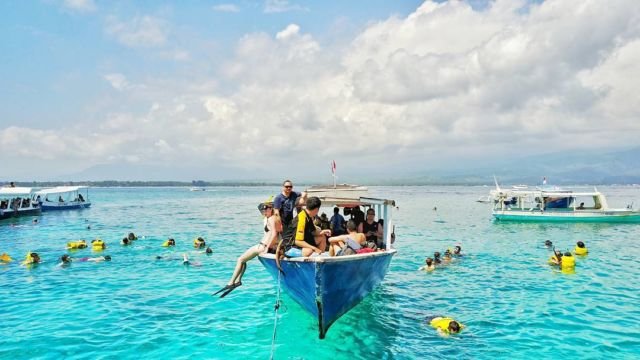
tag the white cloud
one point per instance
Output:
(226, 8)
(80, 5)
(140, 31)
(117, 81)
(280, 6)
(444, 83)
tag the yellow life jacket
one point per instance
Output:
(98, 244)
(442, 323)
(5, 258)
(81, 244)
(568, 262)
(198, 243)
(166, 243)
(581, 251)
(28, 260)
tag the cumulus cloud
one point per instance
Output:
(80, 5)
(140, 31)
(231, 8)
(446, 82)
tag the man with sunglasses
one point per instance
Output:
(286, 201)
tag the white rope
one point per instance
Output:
(275, 319)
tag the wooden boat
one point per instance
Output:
(64, 198)
(18, 201)
(328, 287)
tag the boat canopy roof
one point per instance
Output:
(544, 193)
(15, 191)
(60, 190)
(354, 201)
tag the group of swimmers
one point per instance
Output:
(566, 261)
(438, 260)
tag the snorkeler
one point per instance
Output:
(5, 258)
(436, 258)
(580, 249)
(169, 242)
(445, 325)
(32, 259)
(429, 265)
(199, 243)
(457, 251)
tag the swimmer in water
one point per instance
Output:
(436, 258)
(445, 325)
(32, 259)
(581, 249)
(125, 241)
(5, 258)
(447, 257)
(65, 260)
(199, 243)
(457, 251)
(429, 266)
(548, 243)
(95, 259)
(209, 251)
(556, 259)
(132, 237)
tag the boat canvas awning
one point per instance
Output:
(15, 191)
(60, 190)
(355, 201)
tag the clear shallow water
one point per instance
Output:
(513, 304)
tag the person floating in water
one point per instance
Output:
(5, 258)
(445, 325)
(548, 243)
(199, 243)
(169, 242)
(32, 259)
(436, 258)
(271, 229)
(457, 251)
(125, 241)
(580, 249)
(429, 266)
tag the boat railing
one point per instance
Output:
(330, 259)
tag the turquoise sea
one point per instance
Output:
(512, 303)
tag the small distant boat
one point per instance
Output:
(197, 189)
(484, 199)
(550, 203)
(18, 201)
(64, 198)
(328, 287)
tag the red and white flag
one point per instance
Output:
(333, 167)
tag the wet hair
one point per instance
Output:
(548, 243)
(447, 252)
(336, 210)
(125, 241)
(107, 257)
(428, 261)
(558, 254)
(172, 241)
(580, 244)
(158, 257)
(313, 203)
(567, 254)
(65, 258)
(200, 238)
(35, 257)
(131, 236)
(457, 249)
(436, 254)
(351, 225)
(454, 326)
(209, 250)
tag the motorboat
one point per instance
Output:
(64, 198)
(329, 287)
(18, 201)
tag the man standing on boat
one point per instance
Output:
(286, 201)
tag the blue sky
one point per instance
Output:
(218, 90)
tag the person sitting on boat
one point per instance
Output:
(581, 207)
(269, 240)
(302, 233)
(324, 222)
(371, 228)
(286, 201)
(337, 223)
(580, 249)
(80, 197)
(60, 199)
(348, 244)
(429, 266)
(357, 215)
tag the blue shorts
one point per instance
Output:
(294, 252)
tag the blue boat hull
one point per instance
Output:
(328, 287)
(76, 206)
(7, 214)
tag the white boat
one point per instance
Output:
(550, 203)
(18, 201)
(338, 191)
(197, 189)
(64, 198)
